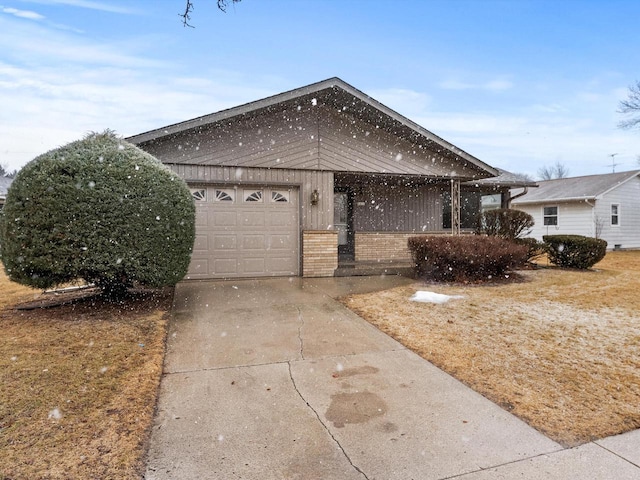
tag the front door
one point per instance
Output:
(343, 221)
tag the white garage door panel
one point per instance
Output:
(224, 242)
(245, 232)
(222, 219)
(200, 244)
(199, 267)
(253, 219)
(224, 266)
(253, 267)
(202, 216)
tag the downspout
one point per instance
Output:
(511, 199)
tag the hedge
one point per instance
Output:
(574, 251)
(465, 258)
(98, 209)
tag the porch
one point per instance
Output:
(375, 215)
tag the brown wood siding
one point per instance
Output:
(284, 139)
(313, 217)
(398, 208)
(348, 144)
(312, 138)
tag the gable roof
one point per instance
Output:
(334, 92)
(590, 187)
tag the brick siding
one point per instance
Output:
(372, 246)
(319, 253)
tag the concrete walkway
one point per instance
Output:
(274, 379)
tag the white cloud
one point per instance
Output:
(28, 14)
(496, 85)
(402, 100)
(101, 6)
(38, 44)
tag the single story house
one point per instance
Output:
(308, 180)
(604, 206)
(5, 182)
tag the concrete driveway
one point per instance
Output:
(274, 379)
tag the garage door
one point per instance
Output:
(245, 232)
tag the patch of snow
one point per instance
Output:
(55, 414)
(432, 297)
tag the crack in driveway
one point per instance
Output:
(300, 339)
(324, 425)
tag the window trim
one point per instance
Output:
(199, 194)
(253, 195)
(224, 195)
(617, 215)
(556, 216)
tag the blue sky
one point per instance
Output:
(518, 84)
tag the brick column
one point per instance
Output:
(319, 253)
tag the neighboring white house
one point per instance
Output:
(604, 206)
(4, 188)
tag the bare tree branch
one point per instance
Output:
(557, 170)
(222, 4)
(186, 16)
(631, 107)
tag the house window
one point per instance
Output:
(253, 195)
(550, 216)
(225, 195)
(280, 196)
(490, 202)
(199, 194)
(469, 209)
(615, 214)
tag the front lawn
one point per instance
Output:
(559, 349)
(78, 384)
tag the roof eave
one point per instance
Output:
(556, 200)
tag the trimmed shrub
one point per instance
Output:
(574, 251)
(534, 247)
(505, 223)
(98, 209)
(465, 258)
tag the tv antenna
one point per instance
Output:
(613, 162)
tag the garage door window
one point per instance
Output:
(199, 194)
(225, 195)
(253, 195)
(280, 196)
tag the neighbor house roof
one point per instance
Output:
(334, 92)
(504, 179)
(589, 187)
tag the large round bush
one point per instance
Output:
(98, 209)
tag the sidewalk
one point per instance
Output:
(273, 379)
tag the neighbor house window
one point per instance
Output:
(550, 216)
(615, 214)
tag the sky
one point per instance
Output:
(518, 84)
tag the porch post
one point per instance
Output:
(455, 206)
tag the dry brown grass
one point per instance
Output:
(559, 349)
(78, 385)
